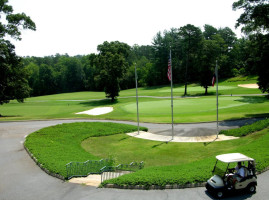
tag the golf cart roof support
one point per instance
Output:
(233, 157)
(215, 165)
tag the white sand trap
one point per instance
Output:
(249, 85)
(97, 111)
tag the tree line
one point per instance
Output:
(194, 55)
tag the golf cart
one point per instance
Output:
(221, 182)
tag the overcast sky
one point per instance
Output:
(78, 26)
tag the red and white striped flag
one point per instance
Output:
(213, 80)
(169, 72)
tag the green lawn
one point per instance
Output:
(164, 163)
(58, 145)
(195, 108)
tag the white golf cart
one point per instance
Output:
(220, 183)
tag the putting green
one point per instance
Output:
(184, 105)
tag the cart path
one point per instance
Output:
(21, 178)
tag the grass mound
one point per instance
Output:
(55, 146)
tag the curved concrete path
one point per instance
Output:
(21, 179)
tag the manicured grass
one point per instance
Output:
(186, 110)
(196, 108)
(55, 146)
(199, 169)
(170, 163)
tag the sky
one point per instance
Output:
(77, 27)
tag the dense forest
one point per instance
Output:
(194, 55)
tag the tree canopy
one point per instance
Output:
(13, 81)
(116, 59)
(255, 17)
(112, 64)
(255, 23)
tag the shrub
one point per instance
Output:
(247, 129)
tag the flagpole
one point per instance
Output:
(217, 80)
(136, 101)
(172, 106)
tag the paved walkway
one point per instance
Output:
(165, 138)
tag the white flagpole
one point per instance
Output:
(136, 101)
(172, 106)
(217, 80)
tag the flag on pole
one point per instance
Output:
(169, 72)
(213, 80)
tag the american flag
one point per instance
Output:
(213, 80)
(169, 72)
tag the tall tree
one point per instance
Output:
(13, 76)
(255, 17)
(112, 64)
(255, 22)
(192, 42)
(209, 31)
(13, 80)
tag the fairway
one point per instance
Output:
(154, 104)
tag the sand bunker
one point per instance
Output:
(249, 85)
(97, 111)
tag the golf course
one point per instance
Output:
(165, 163)
(235, 102)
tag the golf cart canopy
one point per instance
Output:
(233, 157)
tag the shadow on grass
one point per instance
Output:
(124, 138)
(261, 115)
(154, 87)
(208, 143)
(246, 99)
(9, 116)
(102, 102)
(247, 116)
(157, 145)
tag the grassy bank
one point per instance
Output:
(55, 146)
(199, 169)
(172, 163)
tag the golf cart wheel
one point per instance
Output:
(252, 188)
(219, 194)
